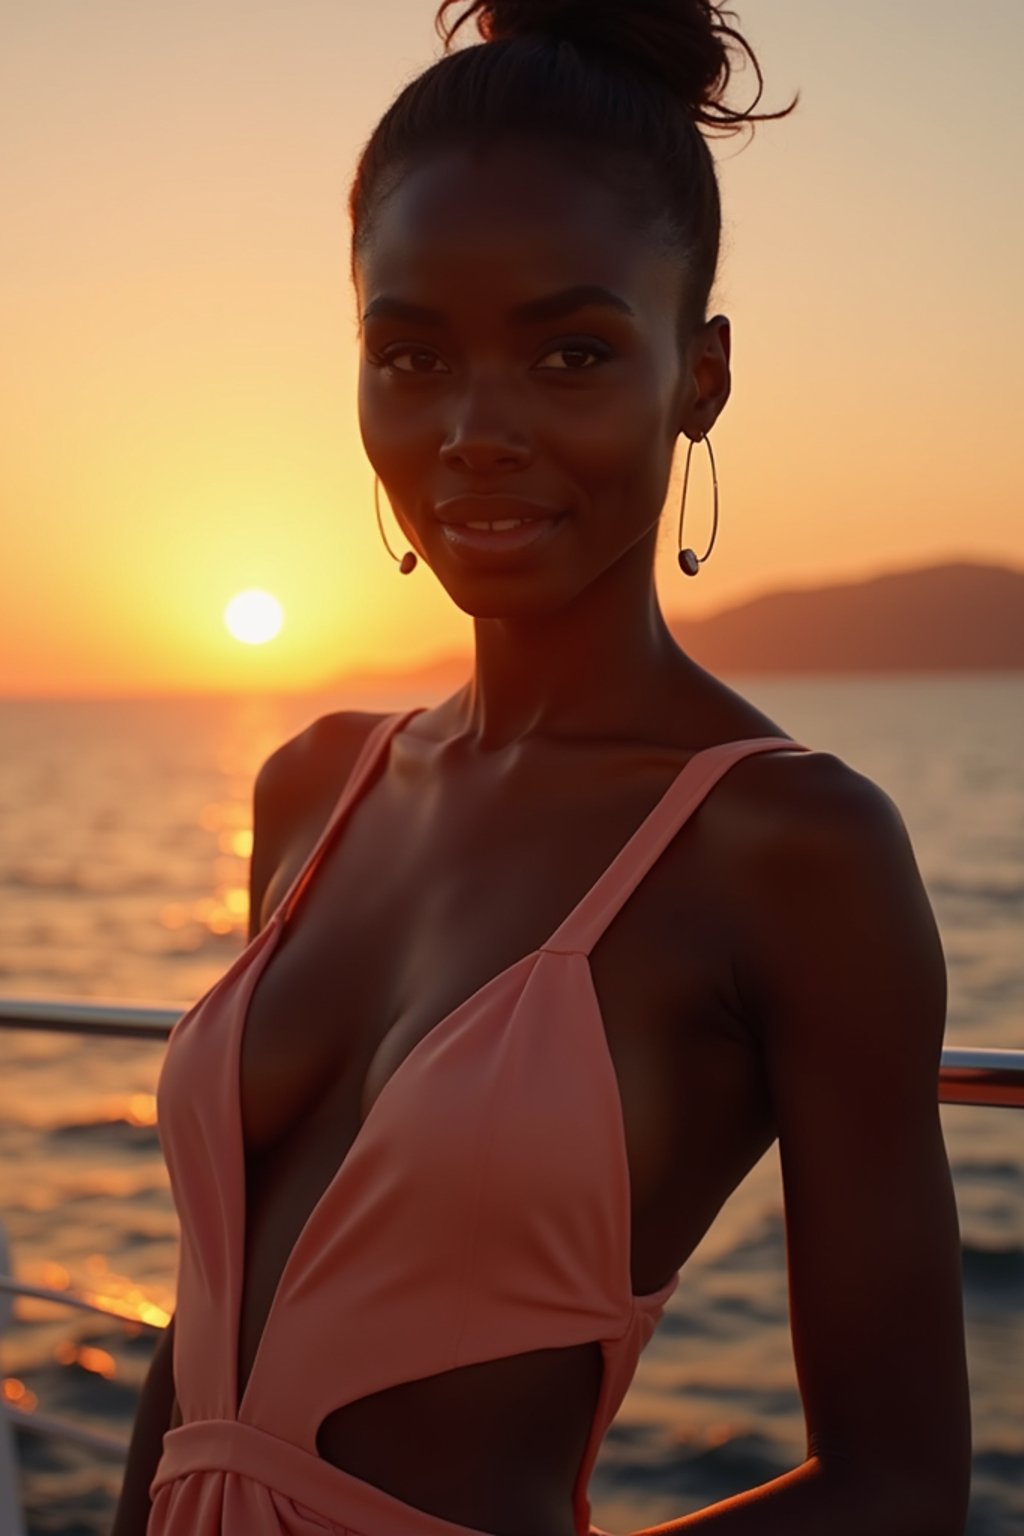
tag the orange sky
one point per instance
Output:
(178, 393)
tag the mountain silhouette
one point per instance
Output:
(961, 617)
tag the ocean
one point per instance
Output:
(124, 846)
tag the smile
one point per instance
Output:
(508, 522)
(500, 542)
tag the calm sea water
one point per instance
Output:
(124, 844)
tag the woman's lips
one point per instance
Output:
(484, 547)
(493, 509)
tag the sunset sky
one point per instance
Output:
(179, 352)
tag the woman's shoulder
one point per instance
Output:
(793, 819)
(782, 794)
(807, 796)
(294, 792)
(317, 752)
(824, 867)
(802, 841)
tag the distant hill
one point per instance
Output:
(946, 618)
(963, 617)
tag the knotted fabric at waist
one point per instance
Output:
(225, 1445)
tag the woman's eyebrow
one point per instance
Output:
(552, 306)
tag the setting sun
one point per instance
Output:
(253, 616)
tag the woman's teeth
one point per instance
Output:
(509, 522)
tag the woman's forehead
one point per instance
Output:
(506, 218)
(510, 182)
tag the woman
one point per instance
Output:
(582, 940)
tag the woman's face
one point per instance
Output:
(491, 365)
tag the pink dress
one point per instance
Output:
(512, 1099)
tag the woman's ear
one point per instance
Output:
(710, 374)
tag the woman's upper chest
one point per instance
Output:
(431, 886)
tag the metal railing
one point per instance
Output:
(967, 1075)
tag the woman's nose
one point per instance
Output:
(483, 434)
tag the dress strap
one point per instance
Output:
(370, 753)
(588, 920)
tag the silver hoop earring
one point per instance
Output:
(408, 560)
(689, 562)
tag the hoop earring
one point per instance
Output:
(689, 562)
(408, 560)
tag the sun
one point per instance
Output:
(253, 616)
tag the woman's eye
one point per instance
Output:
(576, 350)
(579, 357)
(387, 359)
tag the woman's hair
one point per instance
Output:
(623, 87)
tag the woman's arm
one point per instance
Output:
(841, 967)
(152, 1420)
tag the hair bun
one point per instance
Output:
(685, 43)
